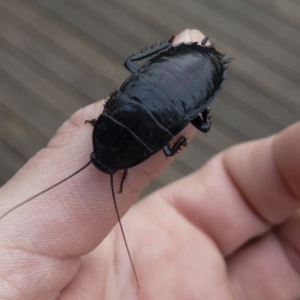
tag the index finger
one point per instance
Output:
(73, 218)
(66, 153)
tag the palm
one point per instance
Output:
(173, 258)
(191, 241)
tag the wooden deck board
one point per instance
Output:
(58, 56)
(19, 134)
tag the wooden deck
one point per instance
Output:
(60, 55)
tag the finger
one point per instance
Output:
(275, 257)
(263, 270)
(71, 219)
(242, 192)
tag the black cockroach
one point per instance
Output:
(159, 99)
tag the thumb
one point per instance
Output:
(71, 219)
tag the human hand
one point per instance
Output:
(188, 240)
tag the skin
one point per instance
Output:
(228, 231)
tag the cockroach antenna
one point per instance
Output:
(44, 191)
(121, 226)
(114, 200)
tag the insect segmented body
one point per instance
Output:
(160, 97)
